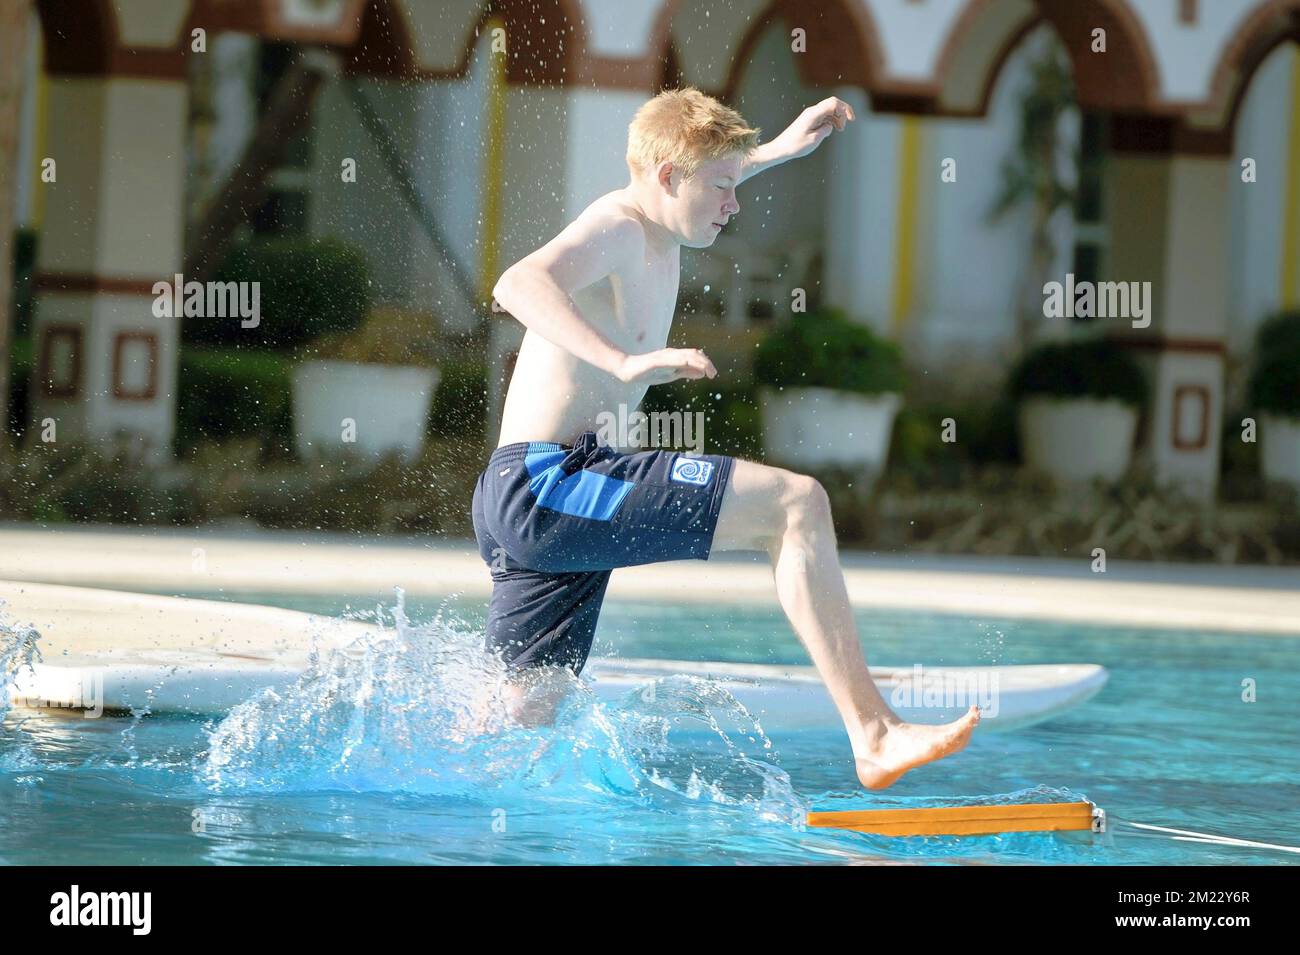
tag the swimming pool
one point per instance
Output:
(354, 765)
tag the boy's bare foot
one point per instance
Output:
(530, 699)
(899, 747)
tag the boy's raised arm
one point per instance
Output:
(801, 137)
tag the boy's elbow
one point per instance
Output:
(501, 291)
(511, 289)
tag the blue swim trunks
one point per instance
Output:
(553, 521)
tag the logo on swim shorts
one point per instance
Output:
(692, 471)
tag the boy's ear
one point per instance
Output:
(664, 176)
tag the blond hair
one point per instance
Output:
(687, 128)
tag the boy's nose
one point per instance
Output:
(732, 207)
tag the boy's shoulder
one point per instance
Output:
(615, 216)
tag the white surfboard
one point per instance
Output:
(120, 652)
(794, 697)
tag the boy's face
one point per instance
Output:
(700, 205)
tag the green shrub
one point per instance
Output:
(916, 445)
(1279, 332)
(227, 393)
(308, 288)
(823, 349)
(1275, 382)
(76, 482)
(1079, 369)
(24, 268)
(460, 400)
(22, 356)
(994, 437)
(732, 421)
(20, 373)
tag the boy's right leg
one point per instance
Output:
(539, 624)
(789, 516)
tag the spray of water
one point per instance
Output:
(419, 709)
(18, 649)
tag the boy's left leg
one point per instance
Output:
(788, 515)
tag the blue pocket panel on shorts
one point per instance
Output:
(582, 493)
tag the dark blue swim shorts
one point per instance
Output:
(553, 521)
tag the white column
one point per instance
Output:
(862, 180)
(112, 228)
(1169, 221)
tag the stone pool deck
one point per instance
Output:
(241, 563)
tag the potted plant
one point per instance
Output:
(381, 377)
(356, 389)
(1275, 394)
(1078, 405)
(828, 389)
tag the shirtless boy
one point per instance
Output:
(555, 512)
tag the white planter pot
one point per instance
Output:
(1279, 449)
(389, 403)
(823, 427)
(1077, 439)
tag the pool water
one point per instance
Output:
(360, 763)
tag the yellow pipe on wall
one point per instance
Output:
(1291, 211)
(909, 155)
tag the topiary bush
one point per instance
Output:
(824, 349)
(1275, 381)
(1079, 369)
(308, 288)
(231, 393)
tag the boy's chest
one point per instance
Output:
(643, 299)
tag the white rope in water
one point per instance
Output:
(1186, 835)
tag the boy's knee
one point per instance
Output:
(807, 500)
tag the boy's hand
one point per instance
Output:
(664, 365)
(813, 125)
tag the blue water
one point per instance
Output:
(360, 761)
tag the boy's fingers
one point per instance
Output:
(707, 366)
(691, 363)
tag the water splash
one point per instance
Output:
(419, 709)
(18, 649)
(1034, 794)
